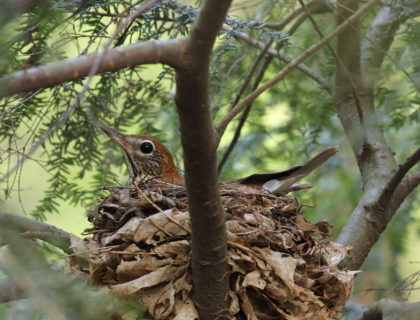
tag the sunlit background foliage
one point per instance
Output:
(287, 124)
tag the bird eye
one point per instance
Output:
(147, 147)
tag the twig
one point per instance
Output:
(248, 80)
(93, 232)
(160, 228)
(28, 97)
(386, 54)
(246, 249)
(246, 233)
(251, 72)
(301, 67)
(137, 252)
(253, 95)
(254, 86)
(314, 4)
(66, 115)
(92, 250)
(159, 209)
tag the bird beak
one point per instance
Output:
(116, 136)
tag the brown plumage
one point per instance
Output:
(144, 165)
(147, 158)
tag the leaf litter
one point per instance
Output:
(280, 267)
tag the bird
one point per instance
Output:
(147, 158)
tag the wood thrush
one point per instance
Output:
(147, 158)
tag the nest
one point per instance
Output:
(280, 267)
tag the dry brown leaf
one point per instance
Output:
(163, 274)
(147, 230)
(131, 270)
(335, 252)
(254, 279)
(126, 233)
(283, 265)
(274, 265)
(173, 248)
(188, 311)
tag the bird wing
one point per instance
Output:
(286, 181)
(258, 179)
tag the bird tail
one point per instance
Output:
(289, 183)
(315, 162)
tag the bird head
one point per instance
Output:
(145, 157)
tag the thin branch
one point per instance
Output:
(50, 234)
(95, 69)
(244, 115)
(254, 86)
(248, 77)
(311, 5)
(25, 99)
(251, 73)
(382, 30)
(301, 67)
(386, 196)
(252, 96)
(338, 60)
(390, 58)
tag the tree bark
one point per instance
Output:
(165, 52)
(36, 229)
(199, 143)
(391, 310)
(376, 161)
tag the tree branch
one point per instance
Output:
(365, 225)
(37, 229)
(255, 85)
(386, 196)
(381, 31)
(165, 52)
(293, 64)
(247, 80)
(338, 61)
(312, 5)
(246, 111)
(377, 167)
(386, 309)
(386, 43)
(199, 143)
(301, 67)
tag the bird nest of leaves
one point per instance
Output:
(280, 267)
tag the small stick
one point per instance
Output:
(160, 210)
(307, 205)
(92, 232)
(160, 228)
(138, 252)
(246, 249)
(97, 249)
(245, 233)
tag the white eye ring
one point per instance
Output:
(147, 147)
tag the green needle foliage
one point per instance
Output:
(296, 118)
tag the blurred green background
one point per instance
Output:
(288, 124)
